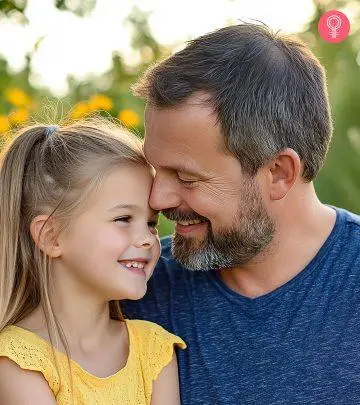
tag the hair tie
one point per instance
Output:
(51, 129)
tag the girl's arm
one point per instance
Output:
(166, 386)
(18, 386)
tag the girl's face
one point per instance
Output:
(111, 249)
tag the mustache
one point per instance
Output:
(175, 215)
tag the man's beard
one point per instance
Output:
(251, 232)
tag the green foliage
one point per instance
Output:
(338, 182)
(11, 8)
(79, 7)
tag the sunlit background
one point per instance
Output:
(83, 56)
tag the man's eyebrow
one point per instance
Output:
(183, 169)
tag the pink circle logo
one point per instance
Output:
(334, 26)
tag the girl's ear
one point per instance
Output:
(45, 235)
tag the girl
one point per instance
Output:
(77, 236)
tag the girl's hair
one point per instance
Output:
(53, 173)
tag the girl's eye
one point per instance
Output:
(151, 224)
(125, 218)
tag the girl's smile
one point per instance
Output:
(118, 226)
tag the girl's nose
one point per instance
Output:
(145, 240)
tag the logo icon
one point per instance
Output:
(334, 26)
(334, 23)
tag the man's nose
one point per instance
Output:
(164, 194)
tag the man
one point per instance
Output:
(261, 279)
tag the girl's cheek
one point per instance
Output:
(158, 245)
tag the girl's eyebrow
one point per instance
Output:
(131, 207)
(126, 206)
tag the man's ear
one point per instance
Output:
(45, 235)
(283, 171)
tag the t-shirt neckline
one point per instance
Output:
(264, 301)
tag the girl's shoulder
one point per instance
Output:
(146, 332)
(153, 344)
(30, 352)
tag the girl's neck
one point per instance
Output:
(98, 344)
(85, 323)
(82, 311)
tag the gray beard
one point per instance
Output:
(252, 231)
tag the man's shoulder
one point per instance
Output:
(351, 219)
(167, 270)
(351, 216)
(166, 247)
(167, 259)
(166, 243)
(346, 236)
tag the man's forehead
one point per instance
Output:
(172, 158)
(188, 126)
(194, 110)
(183, 137)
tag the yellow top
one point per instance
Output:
(151, 349)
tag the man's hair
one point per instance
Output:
(268, 91)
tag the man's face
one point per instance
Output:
(221, 221)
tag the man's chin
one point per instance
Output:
(190, 243)
(188, 250)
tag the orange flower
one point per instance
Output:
(19, 116)
(4, 124)
(17, 97)
(100, 102)
(80, 110)
(129, 118)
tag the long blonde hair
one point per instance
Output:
(52, 174)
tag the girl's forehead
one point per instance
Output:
(127, 177)
(125, 187)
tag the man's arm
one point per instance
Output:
(25, 387)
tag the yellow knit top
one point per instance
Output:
(150, 349)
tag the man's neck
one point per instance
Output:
(297, 240)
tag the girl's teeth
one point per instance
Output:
(135, 264)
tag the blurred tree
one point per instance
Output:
(142, 38)
(338, 182)
(110, 93)
(10, 8)
(78, 7)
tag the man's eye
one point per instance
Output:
(183, 181)
(125, 218)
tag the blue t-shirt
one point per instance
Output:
(299, 344)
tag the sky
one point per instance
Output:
(79, 46)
